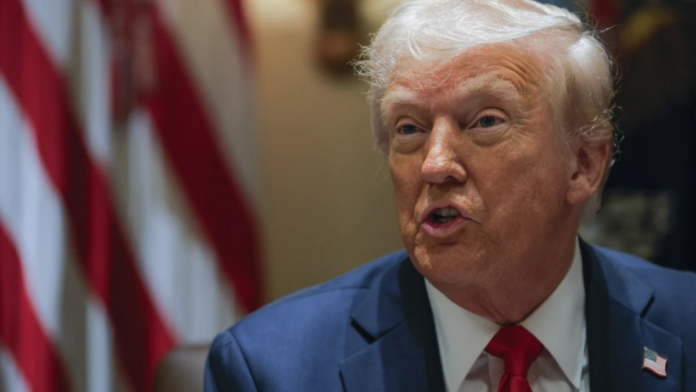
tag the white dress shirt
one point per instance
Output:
(558, 323)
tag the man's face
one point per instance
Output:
(480, 173)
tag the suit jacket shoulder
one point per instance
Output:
(673, 306)
(272, 349)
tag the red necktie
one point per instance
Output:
(518, 349)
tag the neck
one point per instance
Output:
(511, 297)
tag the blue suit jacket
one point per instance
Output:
(372, 330)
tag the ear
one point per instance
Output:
(588, 167)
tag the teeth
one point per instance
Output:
(444, 215)
(447, 212)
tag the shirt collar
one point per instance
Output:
(558, 323)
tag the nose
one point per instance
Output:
(442, 163)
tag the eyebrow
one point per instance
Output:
(482, 83)
(486, 87)
(476, 88)
(399, 96)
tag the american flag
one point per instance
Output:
(128, 186)
(654, 362)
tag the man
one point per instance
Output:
(496, 120)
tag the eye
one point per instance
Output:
(488, 121)
(408, 129)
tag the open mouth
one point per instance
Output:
(445, 221)
(444, 215)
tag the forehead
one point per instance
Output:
(490, 70)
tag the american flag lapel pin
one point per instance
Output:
(654, 362)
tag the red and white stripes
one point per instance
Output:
(118, 244)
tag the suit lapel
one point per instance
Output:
(668, 346)
(397, 322)
(617, 331)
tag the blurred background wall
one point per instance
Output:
(327, 204)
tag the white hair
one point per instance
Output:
(579, 69)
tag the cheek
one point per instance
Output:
(406, 178)
(523, 187)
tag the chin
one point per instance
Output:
(450, 263)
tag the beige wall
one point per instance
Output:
(328, 198)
